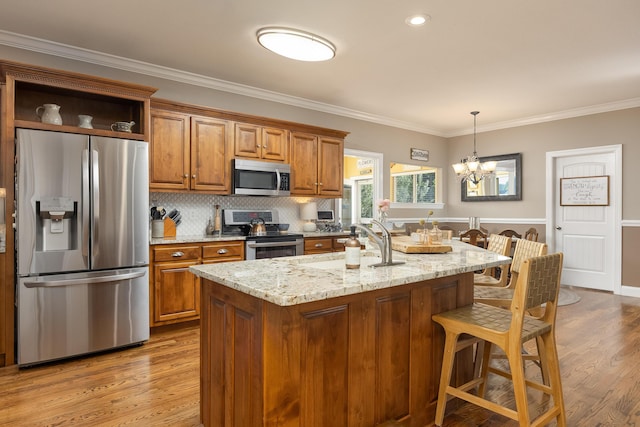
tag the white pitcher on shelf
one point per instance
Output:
(49, 113)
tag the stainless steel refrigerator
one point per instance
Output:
(82, 243)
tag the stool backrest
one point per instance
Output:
(538, 284)
(524, 249)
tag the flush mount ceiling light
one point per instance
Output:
(296, 44)
(417, 20)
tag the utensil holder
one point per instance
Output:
(157, 229)
(169, 228)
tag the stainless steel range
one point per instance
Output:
(262, 242)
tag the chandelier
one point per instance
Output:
(471, 169)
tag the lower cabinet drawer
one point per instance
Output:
(227, 251)
(318, 245)
(175, 253)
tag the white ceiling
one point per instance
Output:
(516, 62)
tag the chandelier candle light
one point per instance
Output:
(471, 169)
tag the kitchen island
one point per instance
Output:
(303, 341)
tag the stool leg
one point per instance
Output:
(484, 367)
(516, 366)
(445, 376)
(553, 369)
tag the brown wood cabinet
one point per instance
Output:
(23, 88)
(317, 164)
(223, 251)
(324, 244)
(357, 360)
(189, 152)
(258, 142)
(174, 290)
(318, 245)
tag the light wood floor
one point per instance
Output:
(157, 384)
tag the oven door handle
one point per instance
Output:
(251, 244)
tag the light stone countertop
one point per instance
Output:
(301, 279)
(193, 239)
(203, 239)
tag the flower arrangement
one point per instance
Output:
(423, 221)
(383, 208)
(425, 226)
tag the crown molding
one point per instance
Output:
(559, 115)
(48, 47)
(107, 60)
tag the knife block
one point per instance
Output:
(169, 228)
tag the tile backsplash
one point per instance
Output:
(196, 209)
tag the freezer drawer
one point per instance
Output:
(72, 314)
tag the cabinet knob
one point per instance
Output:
(177, 254)
(319, 245)
(558, 228)
(193, 176)
(264, 146)
(320, 184)
(186, 175)
(222, 251)
(257, 145)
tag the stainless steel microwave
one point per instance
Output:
(256, 178)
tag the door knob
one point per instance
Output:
(558, 228)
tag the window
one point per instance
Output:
(362, 186)
(365, 197)
(413, 184)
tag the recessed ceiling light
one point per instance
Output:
(296, 44)
(417, 20)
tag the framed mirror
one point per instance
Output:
(505, 184)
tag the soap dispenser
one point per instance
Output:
(352, 250)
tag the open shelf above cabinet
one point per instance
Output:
(106, 101)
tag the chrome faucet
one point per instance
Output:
(384, 243)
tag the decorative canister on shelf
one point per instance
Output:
(49, 113)
(84, 121)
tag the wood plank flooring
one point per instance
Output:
(157, 383)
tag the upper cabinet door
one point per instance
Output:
(275, 144)
(210, 169)
(169, 151)
(257, 142)
(330, 166)
(304, 161)
(247, 141)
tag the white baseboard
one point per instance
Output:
(630, 291)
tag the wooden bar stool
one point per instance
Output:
(502, 246)
(537, 285)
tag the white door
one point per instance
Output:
(589, 236)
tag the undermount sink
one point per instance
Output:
(338, 264)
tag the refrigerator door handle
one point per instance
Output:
(83, 281)
(95, 187)
(85, 204)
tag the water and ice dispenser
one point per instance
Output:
(56, 224)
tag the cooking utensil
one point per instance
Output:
(257, 227)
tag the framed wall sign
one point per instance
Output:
(418, 154)
(584, 191)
